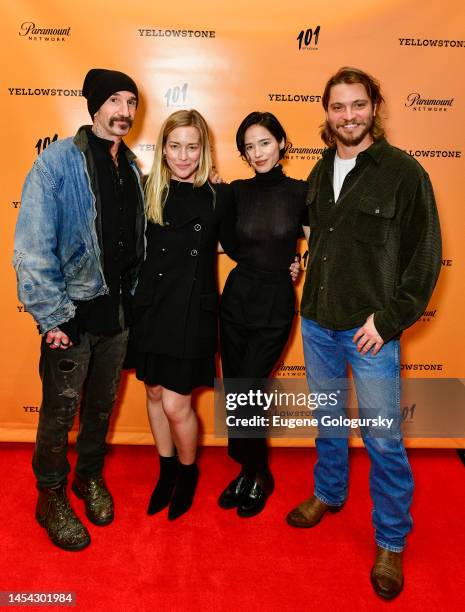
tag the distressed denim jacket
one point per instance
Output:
(58, 256)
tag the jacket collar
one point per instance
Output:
(375, 151)
(81, 140)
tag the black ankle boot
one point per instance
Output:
(183, 495)
(164, 488)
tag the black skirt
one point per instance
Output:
(174, 373)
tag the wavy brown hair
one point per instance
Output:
(351, 76)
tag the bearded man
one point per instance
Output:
(375, 255)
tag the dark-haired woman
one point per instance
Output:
(257, 305)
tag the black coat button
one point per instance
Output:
(197, 227)
(194, 253)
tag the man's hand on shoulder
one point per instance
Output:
(55, 338)
(294, 269)
(367, 338)
(214, 177)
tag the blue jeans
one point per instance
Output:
(377, 384)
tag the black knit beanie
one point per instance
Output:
(100, 84)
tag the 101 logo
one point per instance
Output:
(308, 39)
(176, 95)
(43, 143)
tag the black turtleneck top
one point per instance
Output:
(270, 212)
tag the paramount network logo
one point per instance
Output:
(289, 370)
(306, 153)
(32, 32)
(428, 316)
(416, 102)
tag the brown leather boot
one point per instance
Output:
(386, 575)
(97, 499)
(309, 513)
(55, 514)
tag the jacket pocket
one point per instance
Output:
(373, 220)
(76, 262)
(310, 202)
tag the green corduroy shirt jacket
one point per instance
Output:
(377, 249)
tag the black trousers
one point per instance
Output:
(91, 370)
(257, 311)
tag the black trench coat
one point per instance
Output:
(176, 300)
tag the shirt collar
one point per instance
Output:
(103, 142)
(375, 151)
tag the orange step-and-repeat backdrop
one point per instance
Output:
(225, 62)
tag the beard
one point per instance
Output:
(352, 141)
(120, 118)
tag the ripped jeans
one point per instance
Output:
(90, 370)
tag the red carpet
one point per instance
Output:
(212, 560)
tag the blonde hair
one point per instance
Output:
(158, 181)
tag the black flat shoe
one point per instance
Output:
(235, 491)
(255, 499)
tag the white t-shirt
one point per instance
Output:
(342, 167)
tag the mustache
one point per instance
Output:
(122, 118)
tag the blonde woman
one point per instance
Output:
(174, 338)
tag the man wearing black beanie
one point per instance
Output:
(79, 244)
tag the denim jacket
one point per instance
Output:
(57, 252)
